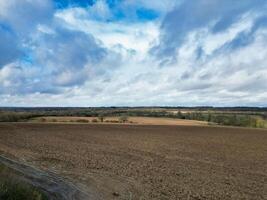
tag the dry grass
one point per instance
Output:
(165, 121)
(14, 188)
(131, 120)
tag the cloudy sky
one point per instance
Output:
(133, 52)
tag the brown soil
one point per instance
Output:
(146, 162)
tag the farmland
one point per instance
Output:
(236, 116)
(128, 161)
(116, 120)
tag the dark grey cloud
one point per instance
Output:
(68, 56)
(9, 47)
(70, 49)
(18, 20)
(23, 16)
(61, 59)
(256, 84)
(246, 37)
(16, 79)
(39, 54)
(195, 14)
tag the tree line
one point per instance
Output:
(245, 119)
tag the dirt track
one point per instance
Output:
(53, 186)
(146, 162)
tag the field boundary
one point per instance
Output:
(53, 186)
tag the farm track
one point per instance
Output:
(54, 187)
(146, 162)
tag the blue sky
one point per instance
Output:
(133, 53)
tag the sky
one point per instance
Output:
(133, 53)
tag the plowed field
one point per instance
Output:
(145, 161)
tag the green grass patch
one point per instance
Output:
(13, 188)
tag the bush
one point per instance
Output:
(123, 119)
(94, 120)
(112, 121)
(15, 117)
(42, 120)
(82, 120)
(101, 118)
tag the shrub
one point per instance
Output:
(123, 119)
(112, 121)
(94, 120)
(42, 120)
(101, 118)
(82, 120)
(15, 117)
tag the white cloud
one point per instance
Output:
(212, 42)
(24, 15)
(136, 36)
(100, 10)
(79, 58)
